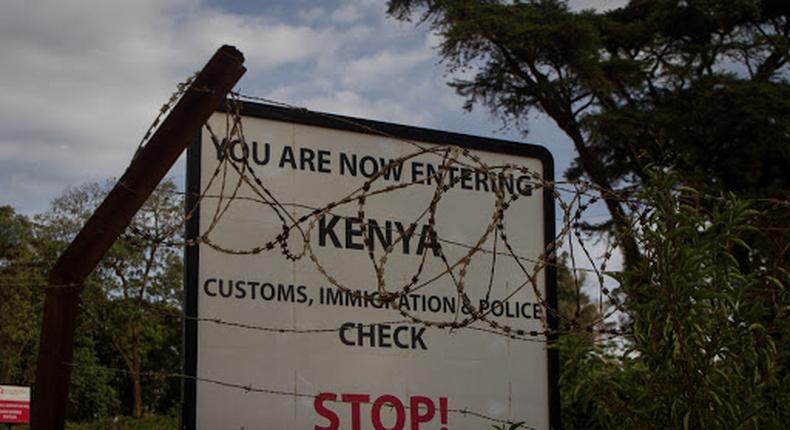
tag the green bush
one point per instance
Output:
(707, 343)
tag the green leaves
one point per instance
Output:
(514, 426)
(699, 87)
(123, 306)
(708, 344)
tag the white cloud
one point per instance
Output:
(312, 14)
(382, 67)
(352, 104)
(266, 44)
(600, 5)
(81, 80)
(346, 14)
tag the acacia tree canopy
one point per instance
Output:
(699, 86)
(683, 106)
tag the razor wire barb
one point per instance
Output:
(456, 271)
(572, 211)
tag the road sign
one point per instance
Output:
(14, 404)
(345, 319)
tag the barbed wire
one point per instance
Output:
(450, 156)
(249, 388)
(233, 181)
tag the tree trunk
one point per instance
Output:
(597, 174)
(137, 391)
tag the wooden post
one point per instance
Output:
(151, 164)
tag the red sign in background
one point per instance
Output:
(14, 412)
(14, 404)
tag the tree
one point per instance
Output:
(21, 287)
(701, 352)
(577, 311)
(24, 257)
(696, 85)
(134, 290)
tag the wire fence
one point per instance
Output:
(236, 180)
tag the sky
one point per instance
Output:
(82, 80)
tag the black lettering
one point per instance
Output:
(404, 303)
(324, 230)
(353, 299)
(405, 235)
(368, 166)
(415, 301)
(348, 164)
(507, 182)
(205, 287)
(245, 151)
(416, 171)
(301, 291)
(334, 297)
(370, 334)
(268, 292)
(306, 157)
(525, 310)
(256, 155)
(396, 337)
(465, 309)
(466, 178)
(374, 231)
(253, 288)
(287, 157)
(353, 230)
(431, 173)
(392, 170)
(496, 308)
(453, 171)
(434, 304)
(481, 180)
(222, 150)
(449, 304)
(225, 292)
(384, 336)
(428, 238)
(323, 161)
(240, 291)
(343, 328)
(373, 300)
(285, 293)
(508, 311)
(416, 337)
(524, 186)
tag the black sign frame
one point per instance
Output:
(189, 350)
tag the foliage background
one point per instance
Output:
(125, 304)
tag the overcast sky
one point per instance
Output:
(81, 80)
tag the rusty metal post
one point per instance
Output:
(151, 164)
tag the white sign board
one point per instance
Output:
(14, 404)
(343, 361)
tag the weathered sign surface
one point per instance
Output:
(345, 358)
